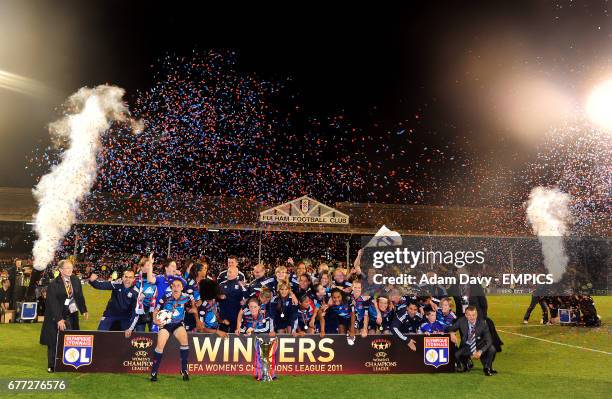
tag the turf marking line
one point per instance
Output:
(555, 342)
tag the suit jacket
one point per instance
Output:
(54, 307)
(483, 336)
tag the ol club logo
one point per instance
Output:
(78, 350)
(141, 342)
(435, 351)
(381, 344)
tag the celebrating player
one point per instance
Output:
(208, 311)
(381, 324)
(340, 281)
(431, 326)
(265, 301)
(445, 315)
(319, 295)
(305, 318)
(300, 269)
(261, 280)
(258, 323)
(147, 294)
(121, 307)
(407, 321)
(361, 305)
(174, 304)
(339, 314)
(304, 286)
(324, 281)
(284, 309)
(171, 273)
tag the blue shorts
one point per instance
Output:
(172, 327)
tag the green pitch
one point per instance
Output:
(528, 367)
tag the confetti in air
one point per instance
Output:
(548, 213)
(209, 130)
(60, 192)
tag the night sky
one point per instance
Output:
(457, 70)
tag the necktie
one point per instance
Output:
(68, 287)
(472, 338)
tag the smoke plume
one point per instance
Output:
(548, 213)
(60, 192)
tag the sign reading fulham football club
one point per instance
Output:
(303, 210)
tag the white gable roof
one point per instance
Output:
(303, 210)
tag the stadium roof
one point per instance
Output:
(226, 213)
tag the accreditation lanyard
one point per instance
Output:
(72, 308)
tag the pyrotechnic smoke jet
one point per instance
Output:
(548, 213)
(60, 192)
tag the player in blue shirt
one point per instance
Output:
(294, 279)
(382, 316)
(361, 304)
(208, 310)
(233, 294)
(232, 261)
(407, 321)
(258, 323)
(261, 280)
(121, 307)
(147, 295)
(319, 295)
(431, 326)
(445, 315)
(339, 315)
(341, 282)
(265, 302)
(196, 275)
(280, 275)
(283, 309)
(175, 304)
(163, 282)
(304, 286)
(325, 281)
(306, 317)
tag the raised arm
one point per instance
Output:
(100, 285)
(150, 274)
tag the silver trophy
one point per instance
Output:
(264, 367)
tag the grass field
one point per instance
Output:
(528, 367)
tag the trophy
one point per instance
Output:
(264, 359)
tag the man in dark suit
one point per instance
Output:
(64, 300)
(476, 342)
